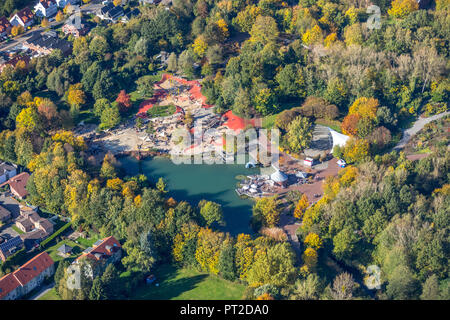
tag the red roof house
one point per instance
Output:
(27, 277)
(18, 184)
(5, 26)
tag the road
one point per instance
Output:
(91, 7)
(417, 126)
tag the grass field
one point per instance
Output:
(188, 284)
(53, 251)
(50, 295)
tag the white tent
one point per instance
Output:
(339, 139)
(301, 174)
(278, 176)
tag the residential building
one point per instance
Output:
(110, 12)
(5, 214)
(24, 17)
(7, 248)
(46, 8)
(102, 253)
(45, 43)
(64, 3)
(13, 62)
(77, 31)
(17, 184)
(5, 27)
(128, 14)
(7, 171)
(28, 277)
(36, 228)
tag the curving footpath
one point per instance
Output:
(417, 126)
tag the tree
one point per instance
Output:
(100, 105)
(108, 169)
(227, 267)
(28, 118)
(349, 125)
(401, 8)
(299, 134)
(353, 35)
(301, 206)
(75, 95)
(59, 16)
(161, 185)
(430, 290)
(343, 287)
(344, 243)
(145, 86)
(45, 23)
(200, 46)
(313, 240)
(356, 150)
(123, 99)
(402, 284)
(291, 83)
(267, 211)
(110, 117)
(313, 35)
(307, 289)
(172, 62)
(16, 30)
(211, 212)
(265, 102)
(264, 30)
(97, 291)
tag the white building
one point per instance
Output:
(64, 3)
(46, 8)
(24, 17)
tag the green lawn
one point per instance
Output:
(53, 251)
(50, 295)
(188, 284)
(161, 111)
(88, 242)
(269, 121)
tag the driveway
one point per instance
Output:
(417, 126)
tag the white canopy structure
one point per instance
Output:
(278, 176)
(339, 139)
(301, 174)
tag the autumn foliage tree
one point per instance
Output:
(301, 206)
(123, 100)
(401, 8)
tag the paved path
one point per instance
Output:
(43, 291)
(417, 126)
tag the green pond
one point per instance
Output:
(192, 183)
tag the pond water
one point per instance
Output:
(193, 183)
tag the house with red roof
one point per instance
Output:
(24, 17)
(18, 184)
(5, 27)
(28, 277)
(101, 254)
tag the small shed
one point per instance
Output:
(65, 250)
(308, 162)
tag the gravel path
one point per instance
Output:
(417, 126)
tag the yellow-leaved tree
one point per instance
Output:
(301, 206)
(401, 8)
